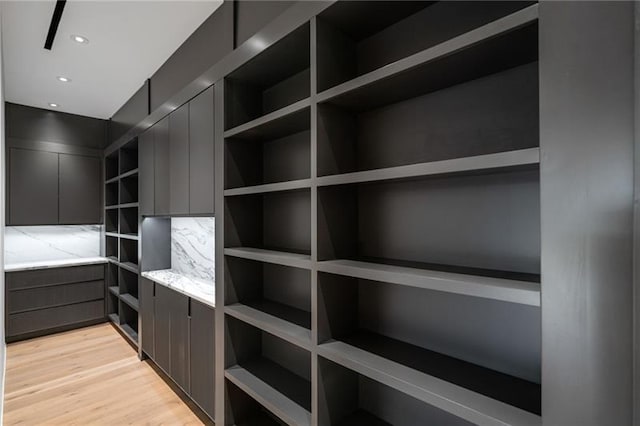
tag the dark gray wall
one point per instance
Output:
(251, 16)
(35, 124)
(131, 113)
(206, 46)
(586, 138)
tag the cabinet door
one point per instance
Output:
(162, 328)
(80, 199)
(202, 355)
(179, 161)
(180, 340)
(146, 172)
(33, 187)
(161, 167)
(147, 311)
(201, 154)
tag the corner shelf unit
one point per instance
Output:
(382, 222)
(121, 239)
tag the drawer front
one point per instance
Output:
(27, 322)
(46, 297)
(53, 276)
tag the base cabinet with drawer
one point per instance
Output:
(178, 335)
(45, 301)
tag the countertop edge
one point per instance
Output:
(27, 266)
(179, 290)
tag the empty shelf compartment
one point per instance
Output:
(278, 221)
(111, 194)
(279, 153)
(129, 221)
(271, 370)
(129, 156)
(494, 114)
(243, 410)
(129, 251)
(277, 77)
(111, 247)
(489, 347)
(129, 189)
(487, 222)
(351, 399)
(111, 168)
(111, 220)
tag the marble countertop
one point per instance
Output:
(45, 264)
(201, 290)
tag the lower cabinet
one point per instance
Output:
(44, 301)
(178, 335)
(202, 355)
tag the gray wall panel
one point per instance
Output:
(586, 137)
(252, 16)
(203, 49)
(131, 113)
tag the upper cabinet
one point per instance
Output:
(177, 161)
(51, 188)
(201, 160)
(32, 187)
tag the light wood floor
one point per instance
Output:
(86, 376)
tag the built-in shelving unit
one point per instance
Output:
(121, 238)
(383, 174)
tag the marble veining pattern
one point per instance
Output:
(192, 247)
(40, 244)
(201, 290)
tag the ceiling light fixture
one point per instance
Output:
(79, 39)
(53, 105)
(63, 79)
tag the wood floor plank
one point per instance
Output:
(89, 376)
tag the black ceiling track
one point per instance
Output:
(55, 21)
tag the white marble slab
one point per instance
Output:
(192, 247)
(24, 266)
(42, 244)
(201, 290)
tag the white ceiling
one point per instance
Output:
(128, 42)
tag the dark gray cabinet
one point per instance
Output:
(201, 154)
(179, 161)
(202, 355)
(80, 195)
(178, 335)
(50, 188)
(32, 187)
(179, 338)
(146, 160)
(147, 313)
(44, 301)
(161, 167)
(162, 327)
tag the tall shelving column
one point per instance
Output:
(121, 238)
(381, 233)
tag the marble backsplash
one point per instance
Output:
(44, 243)
(192, 247)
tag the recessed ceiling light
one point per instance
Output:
(63, 79)
(79, 39)
(53, 105)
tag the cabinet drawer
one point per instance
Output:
(45, 297)
(53, 276)
(27, 322)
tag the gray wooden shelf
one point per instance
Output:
(128, 236)
(289, 119)
(114, 318)
(456, 400)
(130, 300)
(130, 333)
(269, 187)
(507, 290)
(406, 77)
(129, 173)
(501, 160)
(132, 267)
(114, 290)
(270, 398)
(286, 330)
(270, 256)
